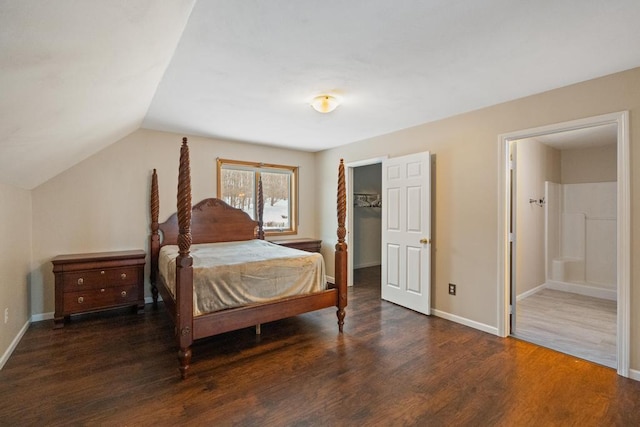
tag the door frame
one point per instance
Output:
(623, 224)
(349, 183)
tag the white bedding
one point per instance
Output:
(233, 274)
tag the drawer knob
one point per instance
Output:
(80, 300)
(123, 293)
(123, 276)
(80, 281)
(101, 271)
(102, 290)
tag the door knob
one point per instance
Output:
(424, 241)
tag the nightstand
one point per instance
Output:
(305, 244)
(97, 281)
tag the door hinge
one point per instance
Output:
(511, 237)
(510, 309)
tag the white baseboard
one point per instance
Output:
(590, 291)
(41, 316)
(634, 375)
(464, 321)
(13, 345)
(531, 292)
(367, 264)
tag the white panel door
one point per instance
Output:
(406, 231)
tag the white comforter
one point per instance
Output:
(233, 274)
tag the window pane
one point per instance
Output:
(277, 208)
(237, 185)
(237, 189)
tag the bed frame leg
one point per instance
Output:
(184, 356)
(340, 314)
(341, 281)
(258, 329)
(154, 294)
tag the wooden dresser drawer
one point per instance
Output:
(91, 279)
(93, 299)
(97, 281)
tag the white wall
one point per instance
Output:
(583, 218)
(597, 203)
(15, 263)
(465, 151)
(102, 203)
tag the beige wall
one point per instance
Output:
(15, 261)
(535, 164)
(594, 164)
(465, 151)
(101, 204)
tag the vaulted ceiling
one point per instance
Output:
(76, 76)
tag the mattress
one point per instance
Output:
(235, 274)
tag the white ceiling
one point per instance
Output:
(595, 136)
(76, 76)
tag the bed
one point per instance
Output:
(205, 239)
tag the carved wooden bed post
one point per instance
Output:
(260, 210)
(341, 248)
(154, 242)
(184, 264)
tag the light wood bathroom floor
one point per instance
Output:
(575, 324)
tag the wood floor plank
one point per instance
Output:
(391, 366)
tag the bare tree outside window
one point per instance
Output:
(238, 186)
(276, 188)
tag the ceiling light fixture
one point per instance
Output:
(324, 103)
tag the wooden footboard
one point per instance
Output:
(215, 221)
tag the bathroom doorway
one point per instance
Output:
(564, 208)
(517, 259)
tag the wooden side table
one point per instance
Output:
(303, 243)
(97, 281)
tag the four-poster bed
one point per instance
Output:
(212, 221)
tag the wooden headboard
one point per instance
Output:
(212, 220)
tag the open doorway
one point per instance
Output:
(364, 187)
(367, 216)
(564, 188)
(508, 227)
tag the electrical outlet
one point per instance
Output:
(452, 289)
(6, 315)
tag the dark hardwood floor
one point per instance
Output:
(390, 367)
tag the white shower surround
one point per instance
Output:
(580, 228)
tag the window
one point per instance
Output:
(238, 186)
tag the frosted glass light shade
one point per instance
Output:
(324, 103)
